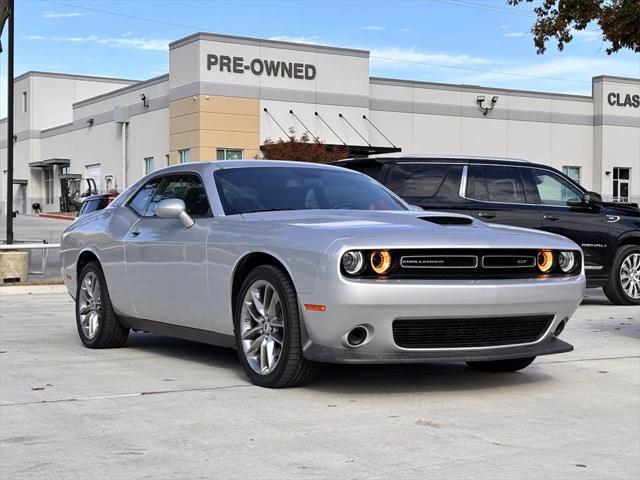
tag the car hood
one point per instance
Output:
(623, 209)
(406, 229)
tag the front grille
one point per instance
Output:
(469, 332)
(462, 264)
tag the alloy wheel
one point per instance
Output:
(630, 275)
(262, 327)
(90, 305)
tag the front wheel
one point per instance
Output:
(510, 365)
(623, 286)
(267, 330)
(97, 323)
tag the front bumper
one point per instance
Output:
(376, 304)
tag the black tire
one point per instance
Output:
(613, 289)
(510, 365)
(110, 334)
(292, 368)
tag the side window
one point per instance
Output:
(553, 189)
(416, 180)
(476, 185)
(140, 201)
(504, 184)
(187, 187)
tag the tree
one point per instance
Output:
(302, 149)
(619, 21)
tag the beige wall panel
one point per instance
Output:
(240, 106)
(184, 123)
(229, 122)
(183, 106)
(179, 141)
(216, 139)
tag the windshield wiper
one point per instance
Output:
(280, 209)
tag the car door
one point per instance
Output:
(565, 213)
(497, 194)
(166, 262)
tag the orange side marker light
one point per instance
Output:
(315, 308)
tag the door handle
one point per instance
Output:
(135, 231)
(486, 215)
(551, 217)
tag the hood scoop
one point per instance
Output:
(448, 220)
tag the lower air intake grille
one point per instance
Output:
(469, 332)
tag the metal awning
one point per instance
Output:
(50, 162)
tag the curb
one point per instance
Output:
(31, 289)
(56, 216)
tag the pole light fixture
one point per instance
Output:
(483, 109)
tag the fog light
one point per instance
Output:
(353, 262)
(545, 261)
(357, 336)
(381, 261)
(567, 261)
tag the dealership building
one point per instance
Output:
(225, 95)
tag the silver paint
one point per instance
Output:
(181, 276)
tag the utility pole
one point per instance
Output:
(7, 10)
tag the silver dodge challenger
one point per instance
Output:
(294, 264)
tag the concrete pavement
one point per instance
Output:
(167, 408)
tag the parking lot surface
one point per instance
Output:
(167, 408)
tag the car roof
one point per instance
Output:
(449, 159)
(405, 158)
(209, 165)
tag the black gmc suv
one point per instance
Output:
(524, 194)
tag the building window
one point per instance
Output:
(574, 173)
(48, 184)
(24, 102)
(148, 165)
(621, 186)
(229, 154)
(185, 155)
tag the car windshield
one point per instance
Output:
(261, 189)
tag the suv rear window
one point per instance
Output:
(416, 180)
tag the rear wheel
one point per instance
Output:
(510, 365)
(623, 286)
(267, 329)
(97, 324)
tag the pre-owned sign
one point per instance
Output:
(258, 66)
(616, 99)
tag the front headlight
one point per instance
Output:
(567, 261)
(545, 261)
(353, 262)
(381, 261)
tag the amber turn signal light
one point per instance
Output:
(545, 261)
(380, 261)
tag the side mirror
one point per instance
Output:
(592, 198)
(172, 208)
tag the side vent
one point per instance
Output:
(448, 220)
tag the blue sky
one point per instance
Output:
(481, 42)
